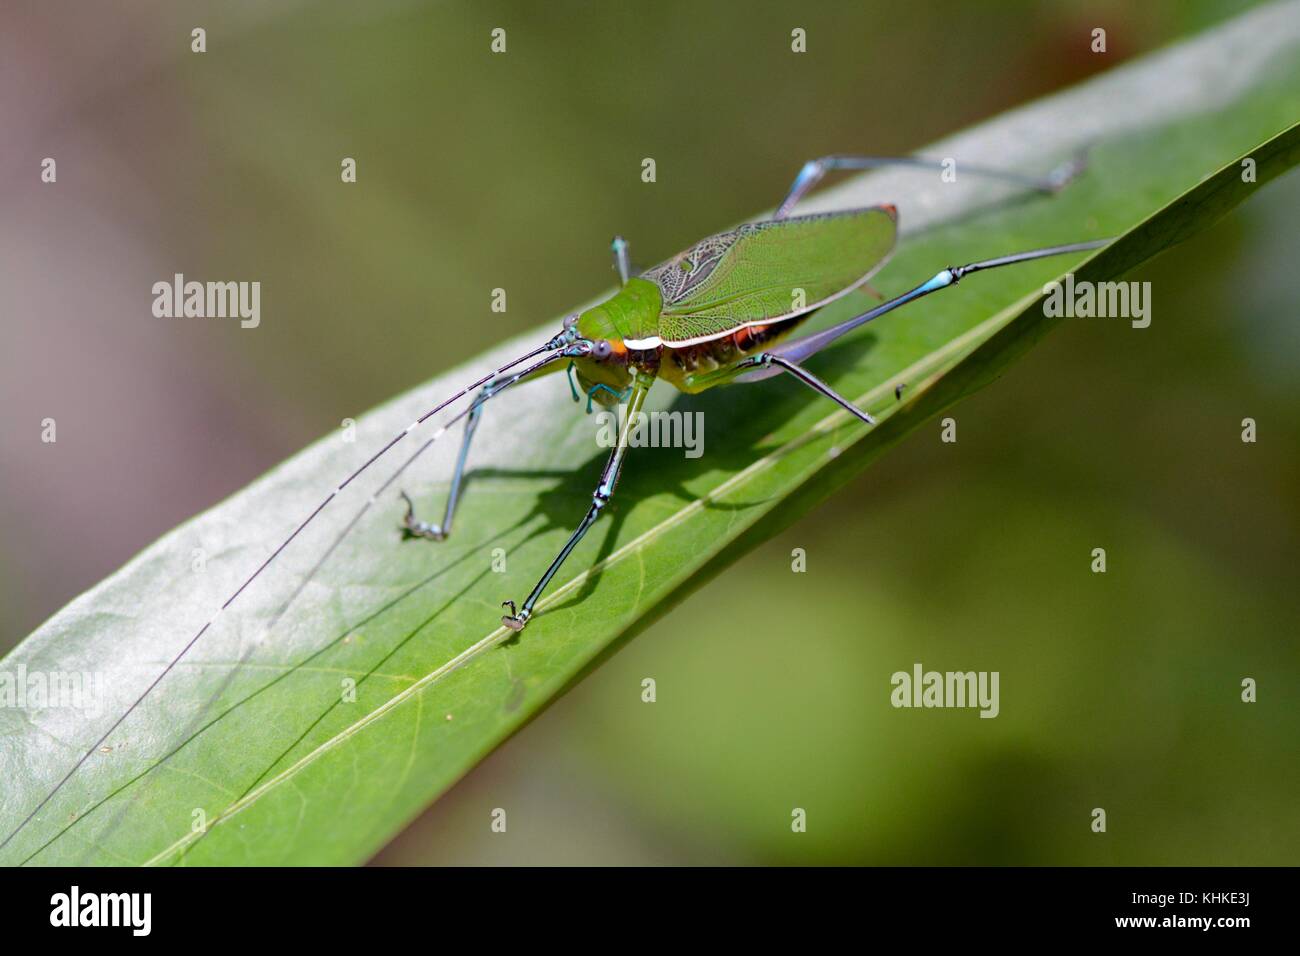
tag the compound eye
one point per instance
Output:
(571, 321)
(602, 350)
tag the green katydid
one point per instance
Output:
(719, 313)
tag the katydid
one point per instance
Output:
(719, 313)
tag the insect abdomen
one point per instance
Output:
(679, 364)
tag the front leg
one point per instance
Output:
(518, 617)
(413, 527)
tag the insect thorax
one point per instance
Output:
(631, 315)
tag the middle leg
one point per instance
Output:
(518, 616)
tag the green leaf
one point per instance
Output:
(254, 749)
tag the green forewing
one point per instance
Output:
(769, 270)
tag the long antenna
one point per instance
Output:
(369, 503)
(555, 343)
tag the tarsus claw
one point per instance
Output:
(412, 528)
(514, 620)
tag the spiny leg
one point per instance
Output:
(518, 617)
(813, 171)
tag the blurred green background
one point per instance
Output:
(479, 171)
